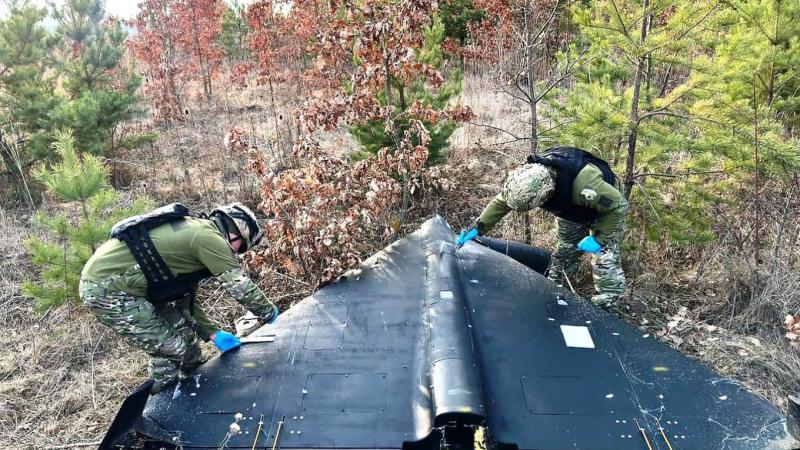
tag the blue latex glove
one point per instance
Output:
(225, 341)
(590, 245)
(275, 316)
(466, 236)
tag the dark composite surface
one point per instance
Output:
(427, 334)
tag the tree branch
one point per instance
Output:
(495, 128)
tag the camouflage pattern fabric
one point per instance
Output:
(244, 291)
(609, 279)
(164, 331)
(528, 187)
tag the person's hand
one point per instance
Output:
(466, 236)
(590, 245)
(274, 316)
(225, 341)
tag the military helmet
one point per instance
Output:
(244, 221)
(528, 187)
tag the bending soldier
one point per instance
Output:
(585, 196)
(142, 283)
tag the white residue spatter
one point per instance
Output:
(177, 392)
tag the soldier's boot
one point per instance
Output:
(565, 259)
(165, 372)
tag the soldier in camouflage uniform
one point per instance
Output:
(585, 196)
(114, 288)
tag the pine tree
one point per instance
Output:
(628, 103)
(750, 81)
(372, 135)
(233, 36)
(81, 181)
(458, 16)
(26, 92)
(101, 89)
(696, 100)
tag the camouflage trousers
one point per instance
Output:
(163, 331)
(609, 279)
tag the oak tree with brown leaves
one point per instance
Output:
(176, 43)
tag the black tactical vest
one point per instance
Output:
(162, 285)
(568, 162)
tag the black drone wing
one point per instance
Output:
(426, 340)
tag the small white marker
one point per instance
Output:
(610, 396)
(723, 397)
(551, 319)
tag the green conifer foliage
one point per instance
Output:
(717, 82)
(234, 33)
(26, 91)
(457, 16)
(372, 136)
(629, 104)
(101, 88)
(749, 83)
(79, 183)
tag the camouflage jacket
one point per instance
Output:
(186, 246)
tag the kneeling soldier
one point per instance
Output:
(142, 282)
(585, 196)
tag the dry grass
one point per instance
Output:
(63, 375)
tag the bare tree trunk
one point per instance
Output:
(406, 201)
(634, 117)
(530, 57)
(757, 205)
(285, 150)
(204, 71)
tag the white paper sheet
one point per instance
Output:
(578, 337)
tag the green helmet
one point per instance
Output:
(528, 187)
(239, 219)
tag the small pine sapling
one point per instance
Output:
(89, 207)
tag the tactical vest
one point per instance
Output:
(162, 285)
(568, 163)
